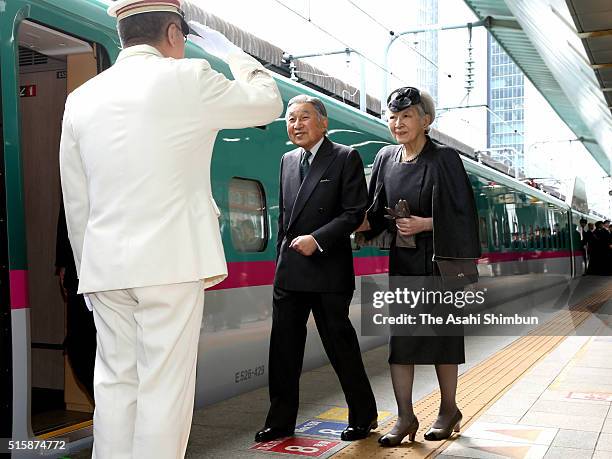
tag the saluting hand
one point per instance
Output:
(413, 225)
(304, 245)
(211, 41)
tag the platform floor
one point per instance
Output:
(544, 395)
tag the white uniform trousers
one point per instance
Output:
(144, 378)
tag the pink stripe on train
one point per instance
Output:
(488, 258)
(18, 284)
(254, 273)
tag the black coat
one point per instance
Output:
(443, 192)
(330, 204)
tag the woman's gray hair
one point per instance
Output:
(314, 101)
(427, 106)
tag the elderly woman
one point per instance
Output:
(431, 179)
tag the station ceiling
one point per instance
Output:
(564, 47)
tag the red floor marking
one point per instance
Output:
(299, 446)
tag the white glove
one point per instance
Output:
(88, 302)
(211, 41)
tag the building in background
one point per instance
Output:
(427, 46)
(506, 96)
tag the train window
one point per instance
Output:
(506, 235)
(531, 237)
(248, 215)
(484, 233)
(524, 236)
(560, 229)
(495, 234)
(354, 245)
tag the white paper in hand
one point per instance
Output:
(211, 41)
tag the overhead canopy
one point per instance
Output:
(565, 49)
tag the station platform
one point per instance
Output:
(547, 394)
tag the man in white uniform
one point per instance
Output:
(135, 159)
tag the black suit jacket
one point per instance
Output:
(330, 204)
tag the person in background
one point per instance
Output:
(322, 200)
(599, 251)
(141, 218)
(80, 341)
(588, 237)
(582, 230)
(431, 178)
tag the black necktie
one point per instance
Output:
(304, 165)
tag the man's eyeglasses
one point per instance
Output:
(403, 98)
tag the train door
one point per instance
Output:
(5, 308)
(47, 61)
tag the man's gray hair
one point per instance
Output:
(314, 101)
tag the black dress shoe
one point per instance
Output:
(272, 433)
(357, 432)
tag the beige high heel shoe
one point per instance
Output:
(395, 439)
(436, 434)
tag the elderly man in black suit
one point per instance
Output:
(322, 201)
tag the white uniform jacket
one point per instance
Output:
(135, 156)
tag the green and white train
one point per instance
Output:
(47, 48)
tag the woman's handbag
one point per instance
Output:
(456, 273)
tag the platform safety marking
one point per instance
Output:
(341, 414)
(298, 446)
(325, 429)
(594, 396)
(511, 432)
(477, 448)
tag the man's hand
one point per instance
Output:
(413, 225)
(304, 245)
(365, 225)
(211, 41)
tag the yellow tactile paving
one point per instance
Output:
(483, 384)
(341, 415)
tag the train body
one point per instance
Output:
(525, 233)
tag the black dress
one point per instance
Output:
(425, 185)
